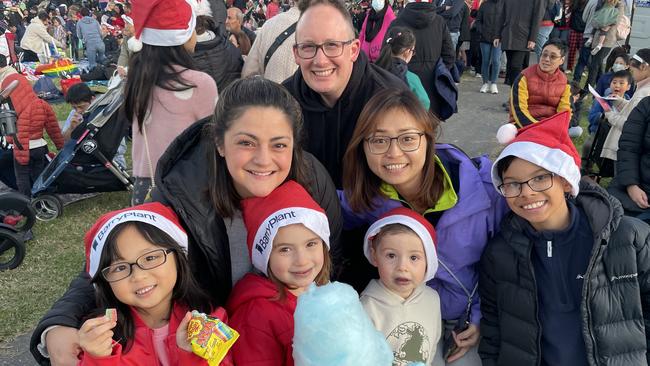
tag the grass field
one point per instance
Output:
(53, 258)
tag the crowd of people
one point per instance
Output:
(278, 145)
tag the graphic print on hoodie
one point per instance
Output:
(412, 326)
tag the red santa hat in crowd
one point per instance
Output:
(287, 205)
(153, 213)
(548, 145)
(417, 223)
(162, 22)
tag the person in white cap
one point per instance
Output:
(163, 95)
(401, 244)
(566, 281)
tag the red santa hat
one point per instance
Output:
(548, 145)
(287, 205)
(153, 213)
(162, 22)
(415, 222)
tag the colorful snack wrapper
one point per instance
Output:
(111, 314)
(210, 337)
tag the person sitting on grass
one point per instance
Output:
(541, 90)
(566, 281)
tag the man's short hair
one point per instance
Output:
(85, 12)
(79, 93)
(339, 5)
(623, 74)
(560, 44)
(239, 14)
(42, 15)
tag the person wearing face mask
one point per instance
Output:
(617, 60)
(374, 27)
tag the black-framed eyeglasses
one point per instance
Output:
(150, 260)
(308, 50)
(409, 141)
(538, 183)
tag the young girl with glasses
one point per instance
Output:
(392, 161)
(137, 260)
(566, 281)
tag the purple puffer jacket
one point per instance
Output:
(373, 48)
(462, 231)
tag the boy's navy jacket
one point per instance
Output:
(615, 303)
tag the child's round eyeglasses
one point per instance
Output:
(538, 183)
(150, 260)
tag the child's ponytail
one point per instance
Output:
(397, 40)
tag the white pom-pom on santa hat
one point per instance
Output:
(135, 45)
(506, 133)
(546, 144)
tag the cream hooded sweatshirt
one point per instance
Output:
(412, 326)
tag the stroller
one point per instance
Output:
(16, 214)
(594, 165)
(85, 165)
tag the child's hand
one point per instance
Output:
(96, 336)
(181, 334)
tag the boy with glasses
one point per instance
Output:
(334, 81)
(541, 90)
(566, 282)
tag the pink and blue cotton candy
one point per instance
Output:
(331, 328)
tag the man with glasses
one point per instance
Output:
(541, 90)
(334, 80)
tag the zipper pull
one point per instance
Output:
(549, 249)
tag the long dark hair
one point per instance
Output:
(186, 290)
(396, 41)
(360, 184)
(236, 99)
(160, 66)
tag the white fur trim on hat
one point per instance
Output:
(263, 243)
(149, 217)
(420, 230)
(552, 159)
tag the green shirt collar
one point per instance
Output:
(448, 199)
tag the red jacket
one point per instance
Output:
(142, 351)
(536, 95)
(34, 114)
(265, 325)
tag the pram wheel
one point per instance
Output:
(12, 249)
(47, 207)
(16, 211)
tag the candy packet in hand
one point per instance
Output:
(209, 337)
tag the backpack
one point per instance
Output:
(623, 28)
(45, 89)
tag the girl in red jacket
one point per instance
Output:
(288, 241)
(138, 264)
